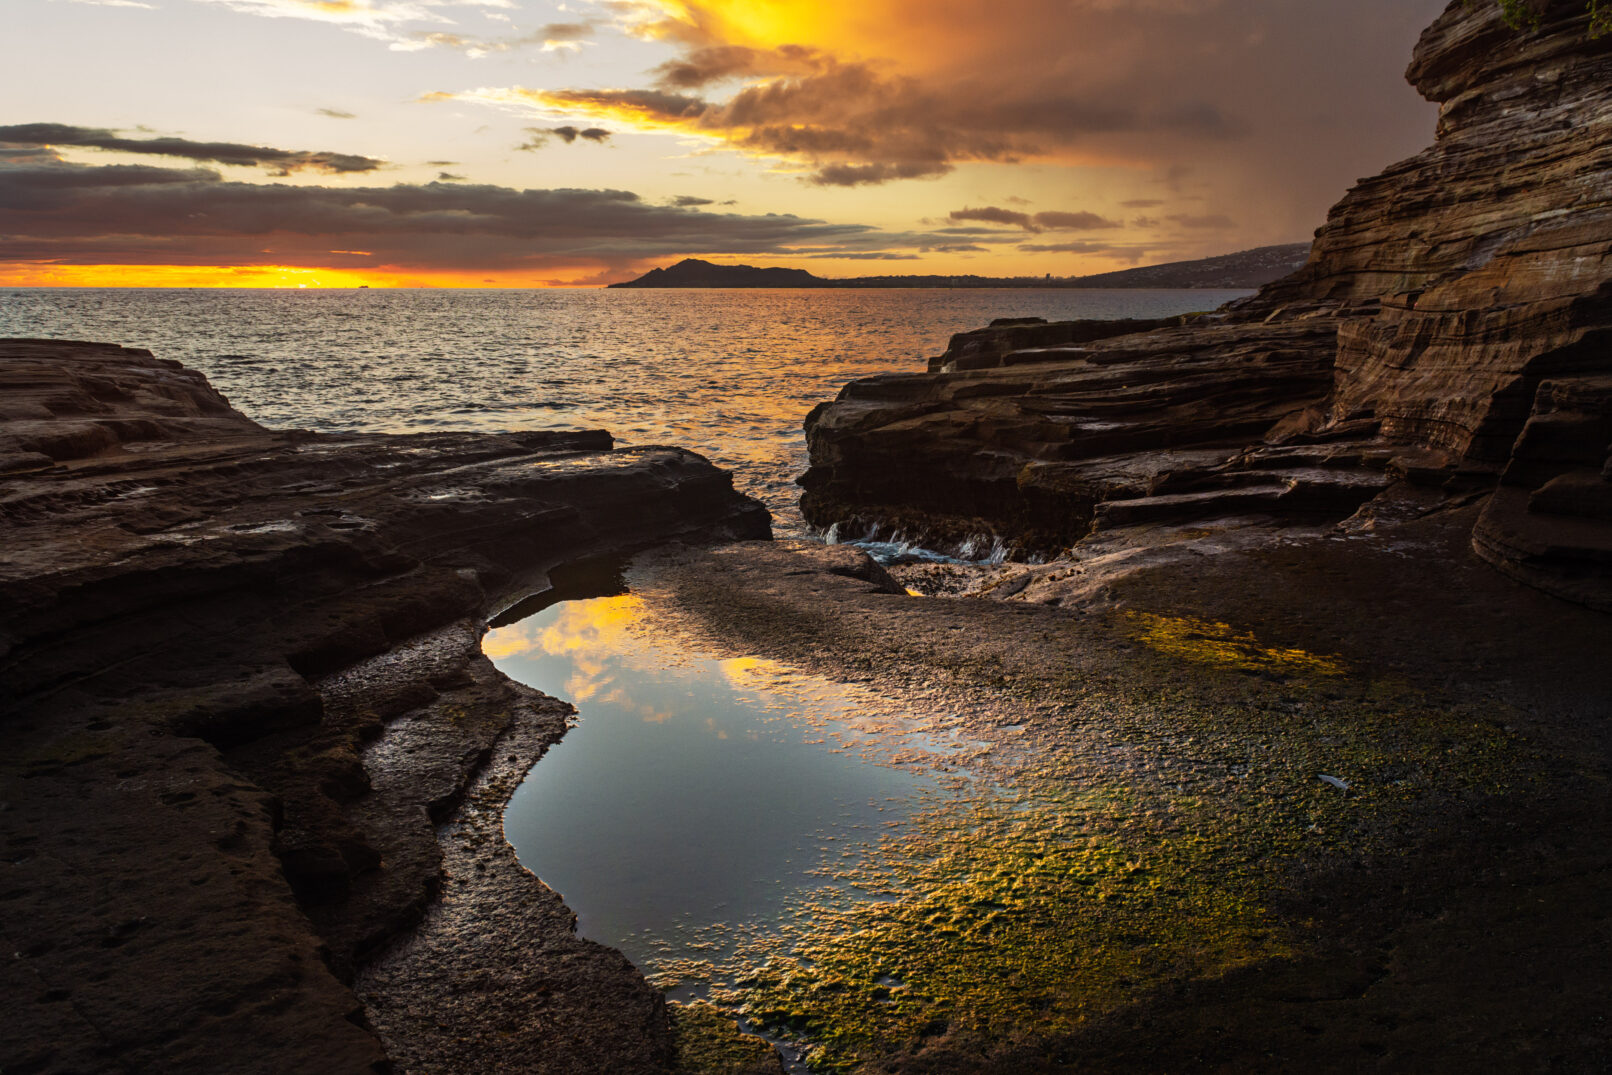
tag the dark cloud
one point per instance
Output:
(541, 136)
(689, 201)
(703, 66)
(1080, 221)
(1051, 220)
(853, 175)
(859, 124)
(1143, 203)
(81, 214)
(449, 177)
(990, 214)
(281, 161)
(564, 31)
(335, 113)
(653, 105)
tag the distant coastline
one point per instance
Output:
(1244, 269)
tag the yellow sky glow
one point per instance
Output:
(23, 274)
(849, 137)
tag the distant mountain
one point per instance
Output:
(1245, 269)
(692, 272)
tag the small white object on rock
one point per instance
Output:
(1337, 782)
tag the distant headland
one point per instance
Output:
(1244, 269)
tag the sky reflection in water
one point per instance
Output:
(696, 796)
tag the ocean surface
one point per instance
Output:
(727, 373)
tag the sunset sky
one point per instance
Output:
(530, 143)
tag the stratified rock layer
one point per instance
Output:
(240, 683)
(1452, 328)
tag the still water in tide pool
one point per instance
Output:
(849, 874)
(698, 802)
(727, 373)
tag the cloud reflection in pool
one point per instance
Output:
(697, 795)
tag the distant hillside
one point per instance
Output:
(692, 272)
(1245, 269)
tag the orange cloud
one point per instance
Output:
(876, 90)
(855, 92)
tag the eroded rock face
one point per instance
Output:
(59, 405)
(240, 681)
(1456, 300)
(1039, 450)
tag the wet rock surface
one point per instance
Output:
(241, 686)
(1451, 329)
(1235, 910)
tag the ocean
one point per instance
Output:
(727, 373)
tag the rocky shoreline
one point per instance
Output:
(243, 684)
(1451, 332)
(1444, 913)
(1340, 783)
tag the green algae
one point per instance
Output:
(1017, 912)
(1142, 828)
(1062, 886)
(1213, 642)
(708, 1042)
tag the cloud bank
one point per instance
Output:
(59, 212)
(279, 161)
(1281, 102)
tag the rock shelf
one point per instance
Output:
(1451, 331)
(241, 685)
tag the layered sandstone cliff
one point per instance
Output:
(1452, 330)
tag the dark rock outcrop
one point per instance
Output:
(1453, 324)
(1017, 341)
(240, 684)
(1154, 424)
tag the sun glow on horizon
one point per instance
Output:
(291, 277)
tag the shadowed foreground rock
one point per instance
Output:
(241, 682)
(1451, 332)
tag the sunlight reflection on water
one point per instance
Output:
(729, 374)
(698, 796)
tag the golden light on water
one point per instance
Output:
(1213, 642)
